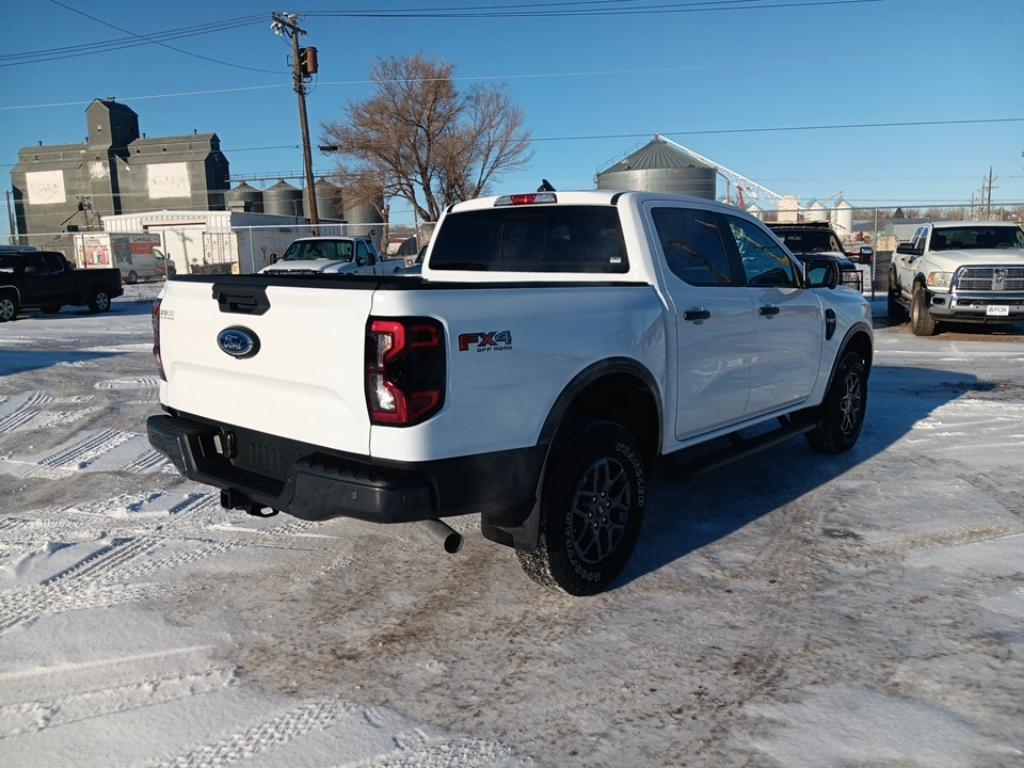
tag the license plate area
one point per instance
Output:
(997, 310)
(260, 454)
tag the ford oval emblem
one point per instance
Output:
(238, 342)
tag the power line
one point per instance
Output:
(781, 129)
(504, 12)
(161, 43)
(104, 46)
(507, 76)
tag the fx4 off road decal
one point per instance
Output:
(494, 341)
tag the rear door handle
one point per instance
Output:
(696, 314)
(769, 310)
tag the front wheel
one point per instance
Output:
(8, 307)
(921, 321)
(100, 301)
(591, 511)
(842, 414)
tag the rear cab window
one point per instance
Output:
(555, 238)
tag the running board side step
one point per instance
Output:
(681, 470)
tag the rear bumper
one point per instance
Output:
(315, 483)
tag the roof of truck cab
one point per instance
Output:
(947, 224)
(596, 197)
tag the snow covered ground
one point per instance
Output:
(793, 610)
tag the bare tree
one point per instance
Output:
(420, 139)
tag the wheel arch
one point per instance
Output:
(13, 289)
(591, 393)
(857, 338)
(641, 411)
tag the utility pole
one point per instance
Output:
(304, 64)
(988, 209)
(10, 219)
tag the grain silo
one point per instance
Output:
(365, 219)
(817, 212)
(328, 201)
(245, 198)
(282, 199)
(842, 218)
(756, 211)
(661, 167)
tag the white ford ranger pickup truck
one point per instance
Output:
(959, 271)
(553, 347)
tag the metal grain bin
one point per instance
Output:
(328, 201)
(282, 199)
(245, 198)
(365, 220)
(659, 167)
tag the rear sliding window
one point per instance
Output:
(563, 238)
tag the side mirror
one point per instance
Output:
(821, 273)
(867, 250)
(907, 249)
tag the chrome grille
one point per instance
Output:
(991, 279)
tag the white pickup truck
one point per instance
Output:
(554, 346)
(959, 271)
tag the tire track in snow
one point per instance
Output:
(86, 448)
(41, 714)
(307, 718)
(19, 409)
(138, 382)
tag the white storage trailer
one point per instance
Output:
(219, 241)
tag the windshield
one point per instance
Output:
(334, 250)
(808, 240)
(970, 238)
(563, 238)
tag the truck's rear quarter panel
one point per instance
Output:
(499, 396)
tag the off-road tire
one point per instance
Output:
(100, 301)
(921, 321)
(586, 538)
(8, 307)
(841, 416)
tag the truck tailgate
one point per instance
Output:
(304, 383)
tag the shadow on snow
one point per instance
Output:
(682, 517)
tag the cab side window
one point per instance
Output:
(765, 263)
(691, 243)
(362, 257)
(53, 262)
(34, 264)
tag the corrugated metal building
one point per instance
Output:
(660, 167)
(57, 188)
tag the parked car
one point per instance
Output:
(329, 255)
(819, 240)
(46, 280)
(555, 345)
(957, 271)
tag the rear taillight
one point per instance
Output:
(405, 370)
(156, 339)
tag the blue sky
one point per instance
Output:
(895, 60)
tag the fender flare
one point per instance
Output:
(17, 292)
(858, 327)
(524, 535)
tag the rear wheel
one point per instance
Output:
(100, 301)
(591, 511)
(921, 321)
(8, 307)
(133, 277)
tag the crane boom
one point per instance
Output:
(756, 191)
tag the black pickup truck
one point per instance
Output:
(44, 279)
